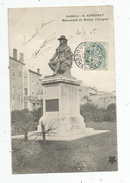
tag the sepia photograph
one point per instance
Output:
(62, 89)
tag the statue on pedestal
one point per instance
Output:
(61, 62)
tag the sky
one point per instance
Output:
(29, 28)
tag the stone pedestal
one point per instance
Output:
(61, 107)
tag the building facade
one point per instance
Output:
(25, 86)
(99, 98)
(32, 89)
(86, 92)
(16, 81)
(103, 99)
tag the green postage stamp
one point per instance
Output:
(92, 55)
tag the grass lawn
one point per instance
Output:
(88, 154)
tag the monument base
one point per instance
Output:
(61, 109)
(87, 133)
(70, 135)
(63, 125)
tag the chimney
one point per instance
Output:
(15, 54)
(38, 71)
(21, 57)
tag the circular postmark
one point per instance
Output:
(79, 55)
(90, 55)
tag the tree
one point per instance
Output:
(91, 112)
(87, 111)
(111, 107)
(110, 114)
(23, 119)
(98, 115)
(88, 107)
(37, 114)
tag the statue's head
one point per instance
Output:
(62, 39)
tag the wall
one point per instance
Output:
(34, 88)
(102, 101)
(16, 84)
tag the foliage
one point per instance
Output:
(91, 113)
(37, 114)
(111, 107)
(98, 115)
(45, 129)
(110, 116)
(110, 113)
(23, 119)
(88, 107)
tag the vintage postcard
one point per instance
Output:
(62, 89)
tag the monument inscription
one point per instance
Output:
(52, 105)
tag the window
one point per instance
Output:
(25, 80)
(25, 74)
(19, 73)
(25, 91)
(25, 105)
(41, 90)
(33, 83)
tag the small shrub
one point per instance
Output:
(87, 116)
(90, 112)
(110, 116)
(86, 110)
(110, 113)
(24, 120)
(111, 107)
(87, 107)
(37, 114)
(98, 115)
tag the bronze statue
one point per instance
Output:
(61, 62)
